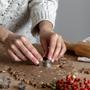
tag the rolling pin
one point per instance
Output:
(80, 49)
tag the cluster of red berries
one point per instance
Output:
(71, 82)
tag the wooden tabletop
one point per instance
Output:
(82, 68)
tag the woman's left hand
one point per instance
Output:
(53, 44)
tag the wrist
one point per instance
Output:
(4, 33)
(45, 26)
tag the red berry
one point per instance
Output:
(85, 89)
(73, 83)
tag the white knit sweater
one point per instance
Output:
(20, 16)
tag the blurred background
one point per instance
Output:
(73, 19)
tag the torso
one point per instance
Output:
(15, 15)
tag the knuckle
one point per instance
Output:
(17, 41)
(54, 35)
(37, 55)
(21, 56)
(12, 46)
(60, 38)
(32, 49)
(22, 38)
(26, 51)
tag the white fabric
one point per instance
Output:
(20, 15)
(86, 39)
(84, 59)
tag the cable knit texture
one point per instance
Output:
(20, 16)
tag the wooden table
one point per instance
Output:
(82, 68)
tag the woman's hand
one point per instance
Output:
(20, 49)
(51, 42)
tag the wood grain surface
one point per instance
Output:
(36, 75)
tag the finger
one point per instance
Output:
(26, 52)
(31, 48)
(57, 50)
(52, 46)
(45, 47)
(18, 52)
(63, 50)
(13, 56)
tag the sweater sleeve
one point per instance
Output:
(42, 10)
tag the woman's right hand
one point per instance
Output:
(20, 49)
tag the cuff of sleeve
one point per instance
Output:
(38, 16)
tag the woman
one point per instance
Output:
(18, 17)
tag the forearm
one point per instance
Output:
(4, 33)
(42, 10)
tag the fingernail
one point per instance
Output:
(37, 62)
(52, 60)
